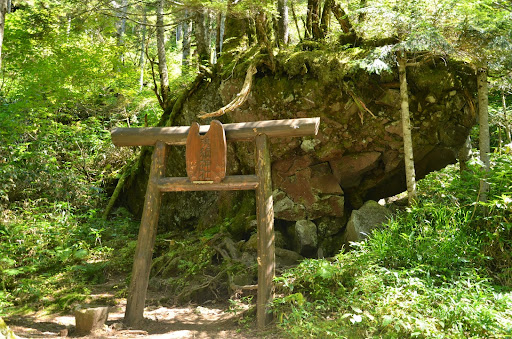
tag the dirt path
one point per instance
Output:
(161, 322)
(190, 321)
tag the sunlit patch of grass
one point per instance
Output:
(433, 271)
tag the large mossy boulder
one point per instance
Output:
(358, 154)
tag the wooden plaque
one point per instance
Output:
(206, 154)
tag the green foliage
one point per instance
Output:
(432, 272)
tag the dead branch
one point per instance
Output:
(240, 98)
(360, 105)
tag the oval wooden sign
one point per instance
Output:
(206, 154)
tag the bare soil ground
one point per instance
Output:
(190, 321)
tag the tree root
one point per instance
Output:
(240, 99)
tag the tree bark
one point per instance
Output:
(505, 118)
(219, 39)
(341, 16)
(237, 27)
(282, 22)
(187, 34)
(142, 46)
(313, 19)
(202, 36)
(484, 142)
(410, 173)
(261, 35)
(3, 10)
(295, 20)
(463, 155)
(162, 61)
(325, 21)
(122, 22)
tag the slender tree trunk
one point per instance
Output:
(410, 173)
(178, 32)
(484, 142)
(201, 33)
(162, 62)
(505, 118)
(142, 46)
(313, 19)
(122, 23)
(282, 22)
(341, 16)
(325, 21)
(68, 27)
(463, 155)
(295, 20)
(3, 10)
(219, 39)
(187, 34)
(262, 36)
(237, 28)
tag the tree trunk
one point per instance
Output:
(262, 36)
(142, 46)
(178, 33)
(3, 10)
(202, 36)
(295, 20)
(325, 22)
(187, 34)
(121, 29)
(219, 39)
(505, 118)
(162, 62)
(484, 142)
(410, 174)
(341, 16)
(313, 19)
(237, 27)
(464, 154)
(282, 22)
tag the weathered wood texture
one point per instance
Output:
(206, 154)
(230, 183)
(265, 220)
(148, 136)
(146, 240)
(90, 319)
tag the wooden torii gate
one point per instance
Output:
(161, 138)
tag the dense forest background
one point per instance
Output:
(72, 71)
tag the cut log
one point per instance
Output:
(90, 319)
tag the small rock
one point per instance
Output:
(286, 258)
(364, 220)
(431, 99)
(309, 145)
(306, 236)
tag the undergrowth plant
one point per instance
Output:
(440, 269)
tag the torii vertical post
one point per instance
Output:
(161, 137)
(146, 239)
(265, 219)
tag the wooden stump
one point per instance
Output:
(90, 319)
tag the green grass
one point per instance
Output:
(440, 269)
